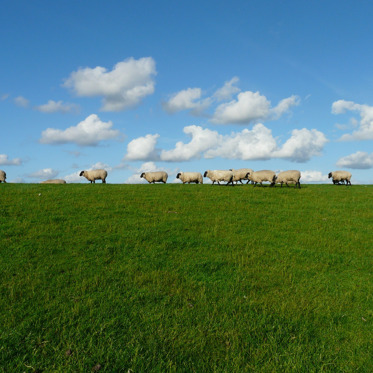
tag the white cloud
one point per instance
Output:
(5, 161)
(89, 132)
(228, 90)
(142, 148)
(57, 107)
(302, 145)
(284, 106)
(257, 143)
(365, 129)
(123, 87)
(202, 140)
(313, 177)
(188, 99)
(358, 160)
(249, 107)
(21, 101)
(46, 173)
(100, 165)
(4, 96)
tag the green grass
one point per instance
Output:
(186, 278)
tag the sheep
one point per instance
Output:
(190, 177)
(240, 174)
(342, 176)
(155, 177)
(219, 175)
(94, 175)
(54, 181)
(260, 176)
(291, 176)
(2, 176)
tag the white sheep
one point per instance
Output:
(241, 174)
(219, 175)
(54, 181)
(190, 177)
(155, 176)
(291, 176)
(340, 176)
(2, 176)
(260, 176)
(94, 175)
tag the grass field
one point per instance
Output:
(186, 278)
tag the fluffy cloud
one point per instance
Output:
(358, 160)
(46, 173)
(227, 91)
(89, 132)
(5, 161)
(188, 99)
(254, 144)
(57, 107)
(73, 178)
(21, 101)
(313, 177)
(123, 87)
(302, 145)
(249, 107)
(257, 143)
(142, 148)
(284, 106)
(365, 129)
(202, 140)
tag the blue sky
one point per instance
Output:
(185, 86)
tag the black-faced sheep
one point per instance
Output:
(219, 175)
(94, 175)
(2, 176)
(286, 177)
(190, 177)
(340, 176)
(260, 176)
(155, 177)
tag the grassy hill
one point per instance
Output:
(183, 278)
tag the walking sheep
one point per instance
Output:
(190, 177)
(2, 176)
(291, 176)
(155, 177)
(54, 181)
(219, 175)
(241, 174)
(260, 176)
(342, 176)
(94, 175)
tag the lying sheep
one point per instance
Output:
(219, 175)
(94, 175)
(155, 177)
(241, 174)
(291, 176)
(2, 176)
(54, 181)
(340, 176)
(260, 176)
(190, 177)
